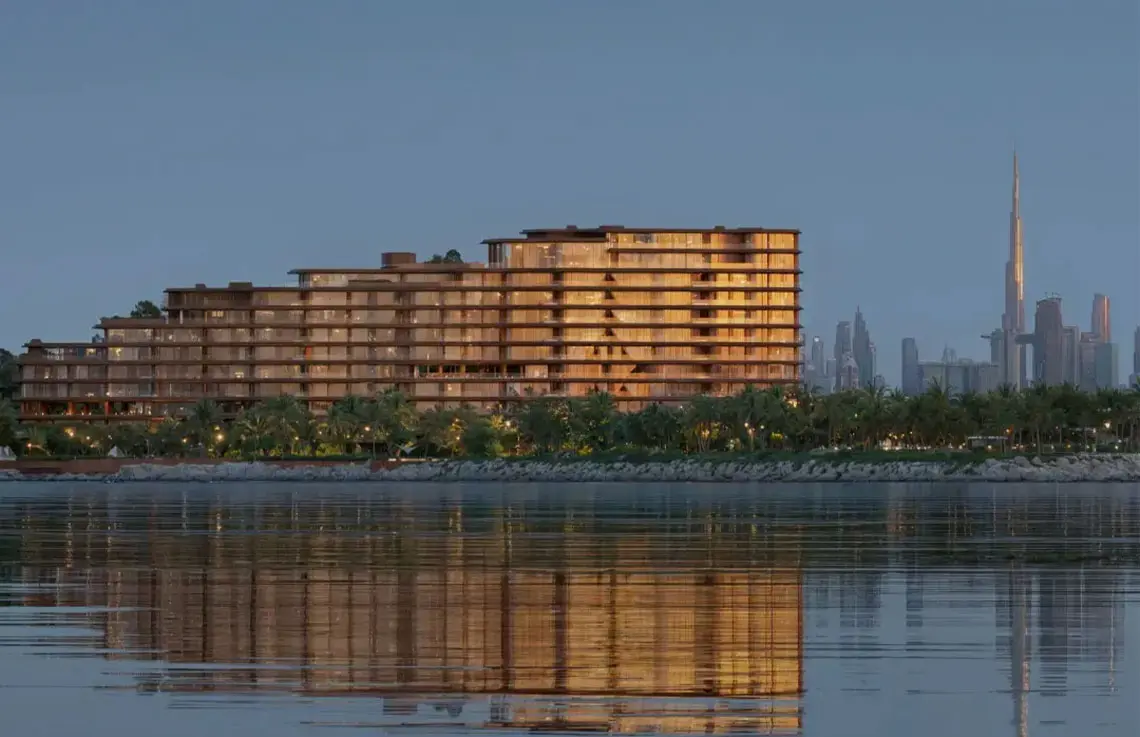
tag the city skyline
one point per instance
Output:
(148, 156)
(1059, 352)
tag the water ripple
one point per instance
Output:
(656, 609)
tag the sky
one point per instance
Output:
(155, 143)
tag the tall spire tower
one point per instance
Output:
(1013, 321)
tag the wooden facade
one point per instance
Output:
(644, 314)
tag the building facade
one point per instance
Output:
(842, 351)
(1101, 319)
(1135, 377)
(911, 374)
(1071, 355)
(644, 314)
(960, 377)
(864, 350)
(1047, 340)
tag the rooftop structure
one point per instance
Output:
(646, 314)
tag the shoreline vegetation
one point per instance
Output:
(1039, 420)
(1044, 433)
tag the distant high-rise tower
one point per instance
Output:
(1135, 378)
(1101, 327)
(1071, 355)
(842, 339)
(1136, 352)
(818, 360)
(847, 375)
(1013, 321)
(861, 348)
(1008, 343)
(842, 349)
(1105, 371)
(1047, 339)
(911, 374)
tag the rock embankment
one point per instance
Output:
(1076, 468)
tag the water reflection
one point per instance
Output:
(608, 608)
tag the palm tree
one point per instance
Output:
(130, 438)
(442, 430)
(9, 424)
(203, 424)
(874, 408)
(293, 424)
(705, 421)
(593, 421)
(1040, 413)
(391, 420)
(345, 422)
(543, 425)
(801, 403)
(656, 427)
(934, 416)
(255, 431)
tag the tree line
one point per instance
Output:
(1040, 419)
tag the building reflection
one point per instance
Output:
(574, 611)
(604, 636)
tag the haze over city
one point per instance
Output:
(154, 145)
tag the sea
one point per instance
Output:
(828, 610)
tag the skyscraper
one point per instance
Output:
(847, 375)
(1071, 355)
(818, 361)
(1014, 318)
(1136, 355)
(1134, 377)
(842, 350)
(1007, 344)
(1088, 352)
(1105, 371)
(1047, 340)
(1101, 327)
(861, 348)
(911, 375)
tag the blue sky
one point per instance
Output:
(151, 143)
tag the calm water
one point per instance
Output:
(674, 609)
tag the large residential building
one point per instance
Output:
(646, 314)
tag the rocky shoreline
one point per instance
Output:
(1121, 468)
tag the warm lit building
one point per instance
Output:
(645, 314)
(1101, 320)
